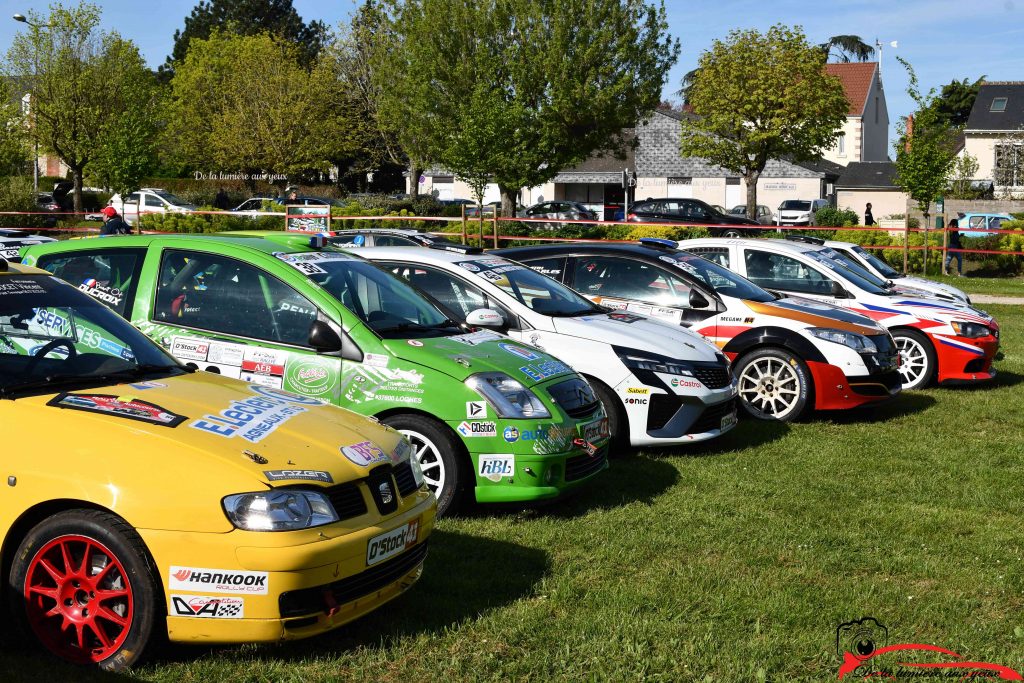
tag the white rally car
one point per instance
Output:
(661, 384)
(880, 269)
(937, 340)
(11, 242)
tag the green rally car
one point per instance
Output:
(289, 311)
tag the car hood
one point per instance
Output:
(468, 354)
(932, 286)
(218, 429)
(816, 314)
(933, 309)
(636, 331)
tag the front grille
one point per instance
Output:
(661, 409)
(347, 500)
(405, 480)
(582, 466)
(711, 418)
(575, 397)
(310, 600)
(712, 376)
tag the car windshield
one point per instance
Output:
(795, 205)
(713, 276)
(386, 304)
(878, 264)
(530, 288)
(53, 337)
(739, 210)
(858, 276)
(171, 199)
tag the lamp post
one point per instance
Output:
(35, 139)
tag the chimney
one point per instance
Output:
(910, 132)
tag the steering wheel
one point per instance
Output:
(69, 344)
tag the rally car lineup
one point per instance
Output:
(328, 404)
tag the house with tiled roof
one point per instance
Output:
(994, 135)
(865, 134)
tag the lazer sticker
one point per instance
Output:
(496, 467)
(131, 409)
(364, 454)
(476, 409)
(472, 429)
(255, 418)
(519, 351)
(303, 475)
(218, 580)
(208, 607)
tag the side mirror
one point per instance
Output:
(698, 300)
(485, 317)
(323, 338)
(838, 291)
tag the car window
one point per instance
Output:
(394, 241)
(455, 294)
(719, 255)
(778, 271)
(221, 294)
(614, 276)
(668, 207)
(152, 200)
(694, 210)
(552, 267)
(977, 221)
(109, 276)
(133, 198)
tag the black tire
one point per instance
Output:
(618, 421)
(766, 377)
(442, 458)
(918, 361)
(105, 535)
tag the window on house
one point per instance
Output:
(998, 104)
(841, 145)
(1009, 166)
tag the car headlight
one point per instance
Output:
(857, 342)
(970, 330)
(667, 367)
(507, 396)
(404, 451)
(279, 510)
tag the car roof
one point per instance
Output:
(565, 248)
(7, 268)
(378, 231)
(264, 241)
(423, 254)
(842, 245)
(798, 247)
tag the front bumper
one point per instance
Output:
(315, 579)
(965, 361)
(834, 390)
(543, 477)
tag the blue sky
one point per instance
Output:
(942, 39)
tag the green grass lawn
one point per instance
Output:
(994, 286)
(731, 561)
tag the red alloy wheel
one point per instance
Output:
(78, 599)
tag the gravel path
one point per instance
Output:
(989, 299)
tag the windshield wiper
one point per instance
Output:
(401, 327)
(573, 314)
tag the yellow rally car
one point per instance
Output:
(145, 496)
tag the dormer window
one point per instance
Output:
(998, 104)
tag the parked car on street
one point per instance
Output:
(288, 311)
(800, 211)
(789, 355)
(148, 200)
(764, 214)
(937, 340)
(690, 212)
(661, 384)
(12, 241)
(254, 206)
(981, 224)
(383, 237)
(171, 504)
(559, 211)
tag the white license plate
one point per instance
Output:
(10, 253)
(391, 543)
(595, 431)
(728, 421)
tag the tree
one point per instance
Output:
(247, 18)
(954, 103)
(561, 79)
(82, 83)
(13, 138)
(964, 170)
(924, 152)
(759, 97)
(244, 104)
(847, 48)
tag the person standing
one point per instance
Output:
(221, 200)
(869, 218)
(954, 243)
(113, 224)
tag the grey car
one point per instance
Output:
(764, 214)
(560, 210)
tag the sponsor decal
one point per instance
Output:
(101, 292)
(472, 429)
(614, 303)
(595, 431)
(476, 409)
(142, 386)
(398, 399)
(13, 287)
(414, 342)
(474, 338)
(376, 360)
(218, 580)
(495, 467)
(364, 454)
(510, 434)
(519, 351)
(471, 267)
(208, 607)
(189, 349)
(255, 418)
(635, 401)
(128, 408)
(669, 259)
(686, 383)
(391, 543)
(402, 451)
(303, 475)
(636, 308)
(223, 353)
(543, 370)
(10, 253)
(638, 390)
(310, 376)
(664, 313)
